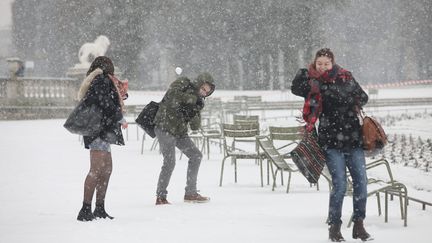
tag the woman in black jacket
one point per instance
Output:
(103, 89)
(333, 97)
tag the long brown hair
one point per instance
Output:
(103, 63)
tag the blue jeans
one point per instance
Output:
(337, 162)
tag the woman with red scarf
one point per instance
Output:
(332, 96)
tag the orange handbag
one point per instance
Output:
(374, 137)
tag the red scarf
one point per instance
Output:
(122, 89)
(312, 107)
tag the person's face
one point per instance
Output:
(204, 90)
(323, 64)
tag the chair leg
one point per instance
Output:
(274, 179)
(208, 147)
(220, 145)
(235, 170)
(386, 207)
(154, 144)
(289, 181)
(282, 181)
(401, 205)
(268, 172)
(379, 203)
(142, 144)
(261, 173)
(405, 206)
(350, 220)
(222, 170)
(273, 174)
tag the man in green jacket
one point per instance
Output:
(180, 107)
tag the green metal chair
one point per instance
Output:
(388, 186)
(288, 136)
(237, 135)
(275, 158)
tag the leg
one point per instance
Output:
(90, 184)
(336, 164)
(357, 167)
(103, 179)
(96, 159)
(167, 147)
(187, 146)
(102, 185)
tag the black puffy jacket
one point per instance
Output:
(339, 125)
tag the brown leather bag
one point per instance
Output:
(374, 137)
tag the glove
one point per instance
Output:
(200, 102)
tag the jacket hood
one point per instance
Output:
(205, 78)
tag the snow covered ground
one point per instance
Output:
(42, 171)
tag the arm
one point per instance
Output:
(195, 123)
(361, 98)
(300, 85)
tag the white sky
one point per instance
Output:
(5, 13)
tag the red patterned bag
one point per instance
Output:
(309, 157)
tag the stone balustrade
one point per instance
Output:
(35, 91)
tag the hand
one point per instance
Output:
(200, 102)
(124, 125)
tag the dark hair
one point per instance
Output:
(103, 63)
(324, 52)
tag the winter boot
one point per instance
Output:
(196, 198)
(85, 214)
(99, 212)
(335, 234)
(360, 232)
(162, 201)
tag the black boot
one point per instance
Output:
(85, 214)
(360, 232)
(335, 234)
(99, 212)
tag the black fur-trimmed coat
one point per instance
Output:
(103, 93)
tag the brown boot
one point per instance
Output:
(196, 198)
(162, 201)
(360, 232)
(335, 234)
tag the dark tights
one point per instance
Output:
(98, 176)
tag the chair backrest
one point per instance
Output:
(240, 130)
(240, 135)
(243, 118)
(273, 154)
(286, 133)
(246, 98)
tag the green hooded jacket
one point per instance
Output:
(182, 105)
